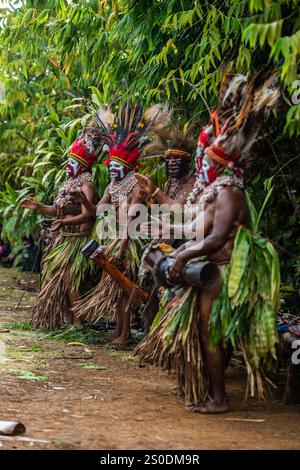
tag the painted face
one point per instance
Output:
(73, 168)
(199, 158)
(176, 166)
(117, 170)
(208, 170)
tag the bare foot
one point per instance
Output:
(122, 340)
(210, 407)
(114, 335)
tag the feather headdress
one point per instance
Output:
(127, 133)
(230, 100)
(242, 129)
(172, 142)
(86, 148)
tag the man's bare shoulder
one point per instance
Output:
(230, 195)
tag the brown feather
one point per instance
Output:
(171, 138)
(157, 117)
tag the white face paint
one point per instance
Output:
(116, 170)
(72, 168)
(205, 168)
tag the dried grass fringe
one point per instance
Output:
(101, 302)
(63, 262)
(180, 355)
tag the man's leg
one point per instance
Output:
(214, 361)
(123, 318)
(73, 297)
(150, 310)
(116, 333)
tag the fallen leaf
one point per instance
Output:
(92, 366)
(57, 442)
(28, 375)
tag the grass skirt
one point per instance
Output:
(173, 342)
(244, 314)
(101, 302)
(63, 265)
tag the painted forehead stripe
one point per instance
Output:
(79, 159)
(122, 162)
(177, 153)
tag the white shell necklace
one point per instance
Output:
(72, 184)
(210, 192)
(119, 190)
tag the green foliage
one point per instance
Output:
(92, 367)
(26, 326)
(72, 333)
(249, 300)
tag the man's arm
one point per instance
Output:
(226, 212)
(89, 205)
(31, 204)
(106, 199)
(150, 191)
(136, 198)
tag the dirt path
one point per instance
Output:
(92, 396)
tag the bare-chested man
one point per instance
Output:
(125, 139)
(193, 322)
(221, 217)
(177, 148)
(63, 269)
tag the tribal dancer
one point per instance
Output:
(176, 148)
(194, 324)
(184, 186)
(126, 137)
(65, 269)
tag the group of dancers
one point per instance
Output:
(192, 327)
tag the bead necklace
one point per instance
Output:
(179, 186)
(210, 192)
(72, 184)
(120, 189)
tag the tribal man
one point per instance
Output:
(176, 148)
(194, 323)
(126, 135)
(65, 269)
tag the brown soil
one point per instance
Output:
(120, 406)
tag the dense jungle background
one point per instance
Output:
(61, 59)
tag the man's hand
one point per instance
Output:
(175, 273)
(30, 203)
(147, 186)
(56, 225)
